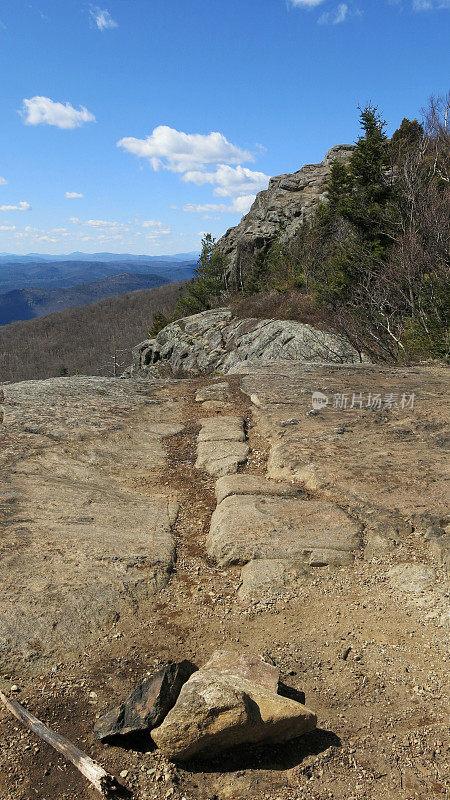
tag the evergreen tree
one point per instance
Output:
(158, 323)
(338, 186)
(209, 281)
(366, 206)
(258, 277)
(406, 136)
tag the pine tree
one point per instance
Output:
(208, 283)
(338, 186)
(366, 206)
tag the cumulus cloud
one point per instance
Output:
(43, 111)
(334, 17)
(190, 155)
(3, 181)
(229, 181)
(101, 18)
(22, 206)
(167, 148)
(240, 205)
(73, 195)
(7, 227)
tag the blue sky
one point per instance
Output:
(166, 116)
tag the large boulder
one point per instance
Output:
(217, 341)
(230, 701)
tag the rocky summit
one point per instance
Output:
(296, 552)
(278, 212)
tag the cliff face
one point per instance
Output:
(280, 210)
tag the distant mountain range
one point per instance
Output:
(78, 256)
(62, 274)
(35, 284)
(25, 304)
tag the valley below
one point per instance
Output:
(150, 519)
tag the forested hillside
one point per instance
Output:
(83, 339)
(23, 304)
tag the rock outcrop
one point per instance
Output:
(279, 211)
(217, 341)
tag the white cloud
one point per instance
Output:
(342, 11)
(158, 229)
(229, 181)
(306, 3)
(152, 223)
(244, 203)
(22, 206)
(101, 18)
(240, 205)
(334, 17)
(7, 227)
(167, 148)
(43, 111)
(103, 223)
(430, 5)
(156, 234)
(73, 195)
(3, 181)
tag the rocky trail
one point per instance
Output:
(148, 520)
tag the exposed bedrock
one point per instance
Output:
(278, 212)
(217, 341)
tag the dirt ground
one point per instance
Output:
(370, 654)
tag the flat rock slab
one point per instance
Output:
(221, 445)
(83, 543)
(265, 576)
(249, 527)
(99, 562)
(219, 392)
(227, 704)
(146, 707)
(222, 429)
(221, 458)
(255, 485)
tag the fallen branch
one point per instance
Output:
(101, 780)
